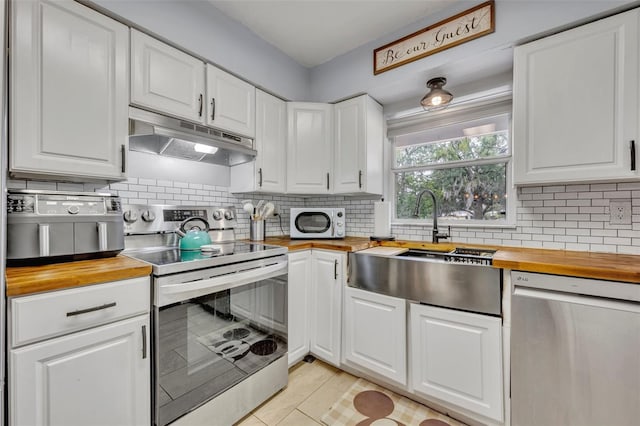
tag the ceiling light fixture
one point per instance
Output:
(437, 98)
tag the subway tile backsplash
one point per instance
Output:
(571, 217)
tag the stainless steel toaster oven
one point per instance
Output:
(55, 226)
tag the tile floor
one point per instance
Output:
(313, 388)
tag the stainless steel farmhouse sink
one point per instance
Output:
(460, 279)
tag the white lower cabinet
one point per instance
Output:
(375, 333)
(326, 304)
(83, 360)
(299, 290)
(100, 376)
(456, 357)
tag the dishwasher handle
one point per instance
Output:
(577, 299)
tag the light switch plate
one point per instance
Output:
(620, 212)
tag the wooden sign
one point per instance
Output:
(465, 26)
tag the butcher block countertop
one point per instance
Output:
(347, 244)
(22, 280)
(603, 266)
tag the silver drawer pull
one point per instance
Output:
(95, 308)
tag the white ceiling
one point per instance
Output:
(313, 32)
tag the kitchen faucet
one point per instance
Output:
(436, 235)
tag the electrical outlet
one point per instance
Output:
(620, 212)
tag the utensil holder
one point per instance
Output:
(256, 230)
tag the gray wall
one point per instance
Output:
(516, 20)
(198, 28)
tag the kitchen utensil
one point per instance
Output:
(248, 207)
(196, 236)
(267, 210)
(258, 207)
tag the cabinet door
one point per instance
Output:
(358, 138)
(271, 142)
(96, 377)
(69, 91)
(231, 102)
(375, 333)
(299, 290)
(309, 148)
(457, 357)
(166, 79)
(267, 173)
(576, 103)
(326, 305)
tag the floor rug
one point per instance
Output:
(366, 404)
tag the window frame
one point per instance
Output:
(454, 115)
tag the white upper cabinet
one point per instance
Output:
(309, 148)
(69, 92)
(268, 172)
(231, 103)
(575, 101)
(166, 79)
(358, 136)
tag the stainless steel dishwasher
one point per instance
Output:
(575, 351)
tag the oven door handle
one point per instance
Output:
(171, 293)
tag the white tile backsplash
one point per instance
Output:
(572, 217)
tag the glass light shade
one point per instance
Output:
(437, 98)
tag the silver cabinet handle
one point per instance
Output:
(360, 179)
(633, 155)
(102, 236)
(200, 101)
(43, 237)
(327, 181)
(144, 342)
(335, 269)
(93, 309)
(213, 109)
(260, 174)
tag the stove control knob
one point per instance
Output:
(228, 215)
(217, 215)
(130, 216)
(148, 216)
(73, 210)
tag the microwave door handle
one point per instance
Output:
(43, 239)
(333, 225)
(102, 236)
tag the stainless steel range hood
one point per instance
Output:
(158, 134)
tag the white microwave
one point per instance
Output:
(321, 222)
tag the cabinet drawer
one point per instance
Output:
(40, 316)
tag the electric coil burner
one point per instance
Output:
(219, 314)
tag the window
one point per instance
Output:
(465, 164)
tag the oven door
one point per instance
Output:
(215, 331)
